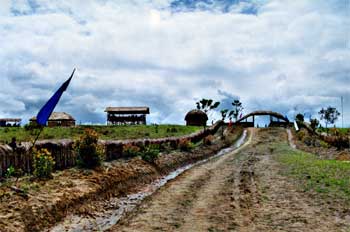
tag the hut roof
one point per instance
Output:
(196, 114)
(58, 116)
(264, 112)
(128, 110)
(10, 120)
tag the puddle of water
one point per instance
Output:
(115, 208)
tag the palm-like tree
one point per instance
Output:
(237, 108)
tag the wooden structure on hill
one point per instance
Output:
(127, 115)
(276, 119)
(10, 122)
(57, 119)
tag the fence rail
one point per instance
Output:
(65, 156)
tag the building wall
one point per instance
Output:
(64, 123)
(196, 122)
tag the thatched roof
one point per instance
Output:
(10, 120)
(264, 112)
(196, 114)
(58, 116)
(128, 110)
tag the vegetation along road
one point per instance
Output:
(264, 186)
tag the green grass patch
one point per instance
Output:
(105, 132)
(329, 177)
(342, 131)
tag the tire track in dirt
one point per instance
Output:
(248, 192)
(191, 202)
(240, 191)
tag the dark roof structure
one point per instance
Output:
(10, 120)
(264, 112)
(128, 110)
(196, 118)
(58, 116)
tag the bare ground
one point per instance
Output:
(82, 192)
(241, 191)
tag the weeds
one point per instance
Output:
(43, 164)
(185, 145)
(150, 153)
(89, 152)
(130, 150)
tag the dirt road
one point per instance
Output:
(240, 191)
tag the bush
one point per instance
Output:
(208, 140)
(301, 134)
(185, 145)
(150, 153)
(31, 126)
(324, 144)
(89, 152)
(9, 172)
(131, 150)
(43, 164)
(334, 131)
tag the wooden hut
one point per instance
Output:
(196, 118)
(10, 122)
(127, 115)
(58, 119)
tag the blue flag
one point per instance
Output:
(50, 105)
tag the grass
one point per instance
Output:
(342, 131)
(328, 177)
(105, 132)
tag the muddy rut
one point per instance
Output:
(240, 191)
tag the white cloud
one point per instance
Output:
(292, 53)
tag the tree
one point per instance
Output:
(299, 117)
(207, 105)
(314, 124)
(224, 114)
(223, 117)
(329, 115)
(237, 108)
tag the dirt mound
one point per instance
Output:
(343, 156)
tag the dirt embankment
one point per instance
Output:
(50, 201)
(240, 191)
(304, 141)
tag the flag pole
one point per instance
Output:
(47, 109)
(36, 139)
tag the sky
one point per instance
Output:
(288, 56)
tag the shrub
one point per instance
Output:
(185, 145)
(131, 150)
(334, 131)
(208, 140)
(313, 124)
(31, 126)
(43, 164)
(89, 152)
(9, 172)
(301, 134)
(324, 144)
(150, 153)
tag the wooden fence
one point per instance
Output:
(65, 155)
